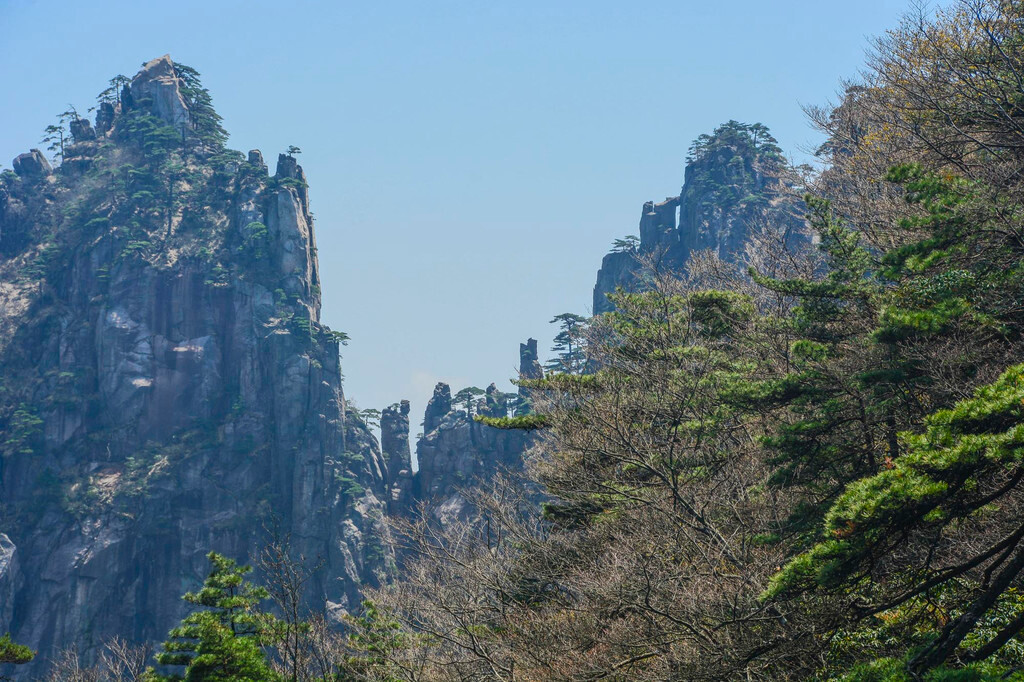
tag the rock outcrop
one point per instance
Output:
(459, 452)
(167, 387)
(31, 164)
(10, 578)
(736, 182)
(394, 442)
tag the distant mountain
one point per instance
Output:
(736, 181)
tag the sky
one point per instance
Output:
(469, 162)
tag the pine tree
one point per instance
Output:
(204, 120)
(468, 397)
(221, 640)
(13, 654)
(569, 344)
(56, 137)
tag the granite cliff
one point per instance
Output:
(166, 386)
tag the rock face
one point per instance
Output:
(458, 452)
(10, 578)
(734, 183)
(81, 130)
(529, 368)
(167, 389)
(440, 404)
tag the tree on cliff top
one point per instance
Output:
(569, 344)
(468, 397)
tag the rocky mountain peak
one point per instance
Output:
(734, 182)
(168, 388)
(438, 406)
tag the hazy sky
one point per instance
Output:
(469, 162)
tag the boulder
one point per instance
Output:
(82, 130)
(256, 160)
(31, 164)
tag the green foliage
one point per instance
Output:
(338, 337)
(349, 487)
(221, 640)
(57, 135)
(468, 398)
(23, 431)
(370, 417)
(524, 422)
(12, 653)
(892, 670)
(44, 264)
(112, 93)
(569, 344)
(254, 240)
(374, 639)
(204, 121)
(724, 166)
(628, 244)
(719, 313)
(935, 483)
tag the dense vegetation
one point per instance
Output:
(809, 470)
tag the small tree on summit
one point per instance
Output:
(56, 134)
(293, 150)
(371, 416)
(204, 119)
(628, 244)
(467, 397)
(569, 344)
(112, 95)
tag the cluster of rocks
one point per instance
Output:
(455, 452)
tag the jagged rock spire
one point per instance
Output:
(157, 85)
(440, 404)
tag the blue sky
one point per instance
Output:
(469, 162)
